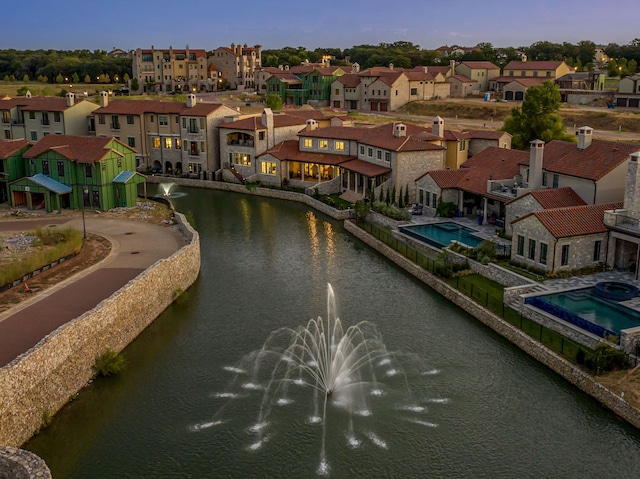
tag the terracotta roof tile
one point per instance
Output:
(480, 65)
(140, 107)
(557, 197)
(83, 149)
(461, 78)
(574, 221)
(289, 151)
(447, 178)
(532, 65)
(9, 147)
(486, 134)
(44, 103)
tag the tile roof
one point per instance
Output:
(289, 151)
(574, 221)
(492, 162)
(140, 107)
(554, 197)
(486, 134)
(447, 178)
(452, 135)
(529, 81)
(364, 167)
(461, 78)
(532, 65)
(254, 123)
(480, 65)
(9, 147)
(350, 80)
(592, 163)
(41, 103)
(83, 149)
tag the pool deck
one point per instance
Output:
(550, 285)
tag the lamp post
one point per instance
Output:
(85, 190)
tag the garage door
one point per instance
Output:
(519, 95)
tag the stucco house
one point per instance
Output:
(482, 72)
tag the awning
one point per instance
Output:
(365, 168)
(50, 184)
(126, 176)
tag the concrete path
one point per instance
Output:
(136, 245)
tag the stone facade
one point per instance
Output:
(42, 380)
(538, 351)
(21, 464)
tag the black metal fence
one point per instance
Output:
(595, 361)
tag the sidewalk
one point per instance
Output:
(136, 245)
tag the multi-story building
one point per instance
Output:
(480, 71)
(77, 171)
(35, 117)
(304, 84)
(172, 70)
(517, 76)
(237, 64)
(11, 164)
(169, 137)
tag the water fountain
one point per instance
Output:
(167, 190)
(346, 372)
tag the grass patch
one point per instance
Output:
(49, 245)
(522, 272)
(481, 283)
(109, 363)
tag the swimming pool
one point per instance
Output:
(441, 235)
(588, 310)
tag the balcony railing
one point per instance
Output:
(619, 219)
(115, 126)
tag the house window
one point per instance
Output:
(119, 162)
(308, 142)
(7, 134)
(523, 73)
(323, 144)
(414, 91)
(379, 154)
(543, 253)
(339, 145)
(163, 120)
(548, 74)
(202, 147)
(556, 180)
(115, 122)
(178, 143)
(202, 123)
(129, 119)
(151, 119)
(564, 260)
(88, 171)
(361, 150)
(168, 144)
(387, 156)
(597, 248)
(427, 198)
(32, 115)
(463, 145)
(131, 141)
(185, 146)
(45, 167)
(194, 148)
(434, 199)
(6, 117)
(101, 120)
(532, 249)
(261, 135)
(60, 165)
(544, 178)
(370, 152)
(268, 167)
(184, 123)
(193, 125)
(156, 142)
(34, 136)
(240, 159)
(535, 73)
(56, 116)
(520, 250)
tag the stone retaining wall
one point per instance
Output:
(21, 464)
(258, 191)
(39, 382)
(555, 362)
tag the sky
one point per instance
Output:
(275, 24)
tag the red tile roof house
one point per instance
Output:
(359, 160)
(562, 239)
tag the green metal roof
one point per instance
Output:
(50, 184)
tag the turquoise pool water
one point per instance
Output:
(591, 308)
(442, 234)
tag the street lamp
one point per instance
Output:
(85, 191)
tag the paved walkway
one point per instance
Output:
(136, 245)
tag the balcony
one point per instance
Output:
(619, 219)
(508, 189)
(115, 126)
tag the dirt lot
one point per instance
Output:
(14, 246)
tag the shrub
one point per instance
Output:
(108, 363)
(446, 209)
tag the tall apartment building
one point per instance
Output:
(172, 70)
(168, 137)
(237, 64)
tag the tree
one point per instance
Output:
(75, 78)
(87, 79)
(361, 209)
(273, 101)
(135, 86)
(25, 78)
(59, 78)
(537, 119)
(126, 78)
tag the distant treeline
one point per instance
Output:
(51, 65)
(409, 55)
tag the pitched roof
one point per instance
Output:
(447, 178)
(83, 149)
(528, 81)
(554, 197)
(592, 163)
(140, 107)
(486, 134)
(41, 103)
(289, 150)
(364, 167)
(349, 80)
(9, 147)
(475, 65)
(461, 78)
(254, 123)
(533, 65)
(492, 162)
(50, 184)
(574, 221)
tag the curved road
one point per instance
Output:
(136, 245)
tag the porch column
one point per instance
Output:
(485, 202)
(460, 202)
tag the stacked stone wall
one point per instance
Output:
(39, 382)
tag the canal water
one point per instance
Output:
(485, 409)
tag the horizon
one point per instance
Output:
(127, 25)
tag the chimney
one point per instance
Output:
(355, 68)
(631, 190)
(390, 66)
(425, 69)
(267, 121)
(311, 125)
(437, 127)
(191, 100)
(535, 164)
(104, 99)
(452, 67)
(71, 99)
(585, 135)
(399, 130)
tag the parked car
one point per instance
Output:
(415, 208)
